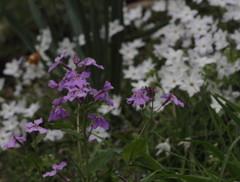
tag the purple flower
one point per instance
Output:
(13, 140)
(122, 178)
(58, 61)
(76, 93)
(87, 62)
(35, 127)
(138, 98)
(75, 59)
(55, 171)
(172, 97)
(102, 94)
(151, 91)
(98, 120)
(52, 84)
(57, 112)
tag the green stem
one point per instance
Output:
(79, 145)
(85, 142)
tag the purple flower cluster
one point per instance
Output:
(139, 98)
(78, 89)
(30, 127)
(56, 168)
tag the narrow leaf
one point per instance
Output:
(31, 159)
(134, 150)
(73, 133)
(36, 14)
(98, 162)
(120, 138)
(38, 139)
(25, 34)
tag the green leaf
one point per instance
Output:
(183, 177)
(148, 32)
(148, 177)
(73, 13)
(25, 34)
(98, 162)
(150, 162)
(233, 106)
(120, 138)
(38, 139)
(74, 133)
(230, 168)
(36, 14)
(134, 150)
(31, 159)
(226, 158)
(228, 111)
(58, 125)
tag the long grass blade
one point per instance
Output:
(25, 34)
(36, 14)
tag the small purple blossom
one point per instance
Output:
(57, 112)
(75, 59)
(87, 62)
(172, 97)
(151, 91)
(35, 126)
(58, 61)
(55, 171)
(138, 98)
(98, 120)
(52, 84)
(102, 94)
(122, 178)
(13, 140)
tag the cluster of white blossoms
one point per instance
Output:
(189, 48)
(44, 39)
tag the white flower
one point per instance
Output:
(11, 123)
(81, 40)
(13, 68)
(185, 144)
(4, 137)
(170, 80)
(159, 6)
(230, 95)
(220, 38)
(164, 147)
(2, 80)
(66, 45)
(21, 128)
(128, 52)
(147, 65)
(116, 109)
(99, 131)
(215, 105)
(53, 135)
(29, 112)
(21, 106)
(104, 109)
(191, 83)
(133, 73)
(115, 27)
(236, 37)
(45, 37)
(34, 71)
(8, 110)
(158, 101)
(223, 67)
(203, 45)
(137, 43)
